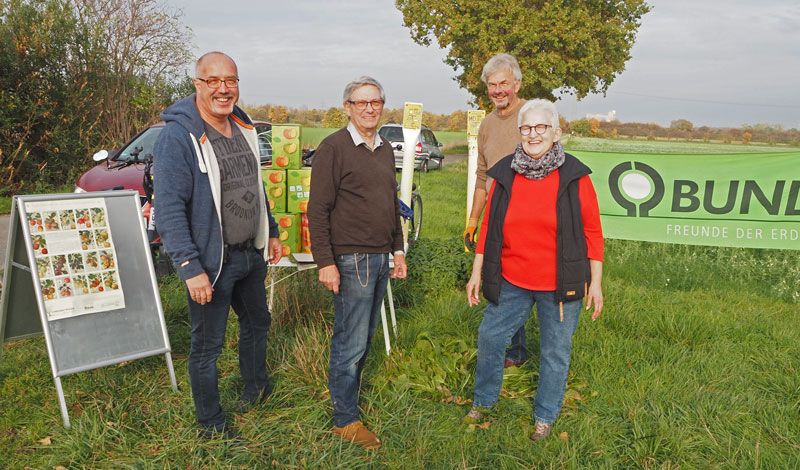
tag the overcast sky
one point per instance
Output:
(713, 62)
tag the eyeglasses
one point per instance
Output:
(538, 128)
(361, 105)
(217, 82)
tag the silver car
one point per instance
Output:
(428, 150)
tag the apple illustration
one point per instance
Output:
(303, 206)
(285, 222)
(282, 161)
(284, 235)
(276, 177)
(290, 133)
(276, 192)
(286, 250)
(291, 147)
(271, 204)
(306, 181)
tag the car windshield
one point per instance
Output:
(140, 148)
(265, 144)
(392, 134)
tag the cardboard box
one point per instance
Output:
(275, 184)
(289, 229)
(306, 235)
(299, 188)
(287, 153)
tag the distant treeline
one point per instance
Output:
(335, 117)
(457, 121)
(683, 129)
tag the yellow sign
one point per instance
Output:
(474, 119)
(412, 116)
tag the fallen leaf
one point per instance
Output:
(276, 463)
(111, 424)
(463, 401)
(563, 436)
(484, 425)
(59, 467)
(46, 441)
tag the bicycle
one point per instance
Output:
(412, 214)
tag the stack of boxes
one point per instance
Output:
(288, 185)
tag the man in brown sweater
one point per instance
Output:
(354, 223)
(498, 136)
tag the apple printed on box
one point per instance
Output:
(275, 185)
(299, 182)
(286, 148)
(289, 229)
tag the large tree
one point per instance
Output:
(78, 75)
(578, 46)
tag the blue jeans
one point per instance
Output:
(362, 283)
(518, 351)
(240, 285)
(555, 345)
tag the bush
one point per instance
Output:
(434, 265)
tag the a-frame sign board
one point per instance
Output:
(79, 270)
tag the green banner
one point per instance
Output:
(742, 200)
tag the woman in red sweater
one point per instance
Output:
(540, 243)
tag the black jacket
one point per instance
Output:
(572, 271)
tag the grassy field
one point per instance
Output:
(694, 363)
(668, 146)
(312, 136)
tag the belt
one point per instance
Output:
(240, 246)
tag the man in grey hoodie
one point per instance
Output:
(215, 224)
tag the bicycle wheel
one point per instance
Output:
(416, 220)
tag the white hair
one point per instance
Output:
(501, 61)
(538, 104)
(358, 83)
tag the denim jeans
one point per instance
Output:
(518, 351)
(555, 345)
(240, 285)
(362, 283)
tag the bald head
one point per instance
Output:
(198, 66)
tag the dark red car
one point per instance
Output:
(124, 168)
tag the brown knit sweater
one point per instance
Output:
(498, 136)
(353, 204)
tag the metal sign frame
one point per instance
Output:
(17, 319)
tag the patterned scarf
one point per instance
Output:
(536, 169)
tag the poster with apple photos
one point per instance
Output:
(76, 262)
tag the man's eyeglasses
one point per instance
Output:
(217, 82)
(361, 105)
(538, 128)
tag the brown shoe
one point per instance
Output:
(358, 433)
(510, 363)
(541, 431)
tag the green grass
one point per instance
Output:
(312, 136)
(5, 204)
(667, 146)
(694, 363)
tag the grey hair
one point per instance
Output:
(358, 83)
(203, 57)
(501, 61)
(546, 106)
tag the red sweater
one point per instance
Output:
(529, 230)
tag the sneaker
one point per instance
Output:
(474, 416)
(541, 431)
(358, 433)
(511, 363)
